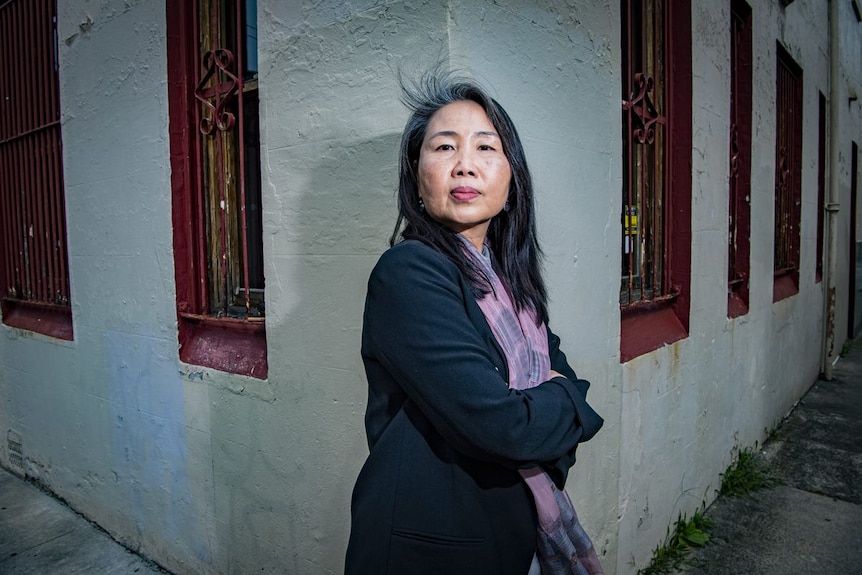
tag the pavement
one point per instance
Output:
(41, 535)
(811, 523)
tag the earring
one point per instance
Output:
(506, 206)
(421, 205)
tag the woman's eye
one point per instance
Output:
(486, 147)
(445, 147)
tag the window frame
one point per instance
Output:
(233, 345)
(653, 324)
(852, 265)
(788, 175)
(739, 197)
(34, 263)
(821, 185)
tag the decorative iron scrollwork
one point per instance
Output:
(215, 99)
(643, 110)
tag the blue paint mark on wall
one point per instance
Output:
(149, 439)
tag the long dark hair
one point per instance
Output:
(511, 234)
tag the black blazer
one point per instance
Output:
(440, 492)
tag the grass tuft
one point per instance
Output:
(685, 535)
(745, 476)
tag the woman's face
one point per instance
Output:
(463, 173)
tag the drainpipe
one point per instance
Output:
(832, 204)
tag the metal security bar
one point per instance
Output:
(736, 30)
(229, 242)
(739, 211)
(821, 181)
(32, 212)
(645, 85)
(787, 164)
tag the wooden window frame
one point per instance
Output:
(208, 337)
(34, 269)
(648, 324)
(788, 175)
(739, 204)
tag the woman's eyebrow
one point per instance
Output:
(451, 133)
(443, 133)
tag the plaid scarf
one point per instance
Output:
(563, 547)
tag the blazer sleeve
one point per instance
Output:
(588, 419)
(417, 327)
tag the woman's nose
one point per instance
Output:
(464, 165)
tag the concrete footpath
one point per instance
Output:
(40, 535)
(812, 522)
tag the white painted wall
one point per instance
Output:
(850, 129)
(688, 407)
(213, 473)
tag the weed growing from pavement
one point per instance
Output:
(673, 553)
(745, 476)
(773, 434)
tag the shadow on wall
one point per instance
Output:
(284, 469)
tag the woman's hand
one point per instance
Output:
(555, 373)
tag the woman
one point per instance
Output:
(473, 413)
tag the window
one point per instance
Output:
(788, 176)
(34, 276)
(739, 209)
(853, 318)
(215, 163)
(821, 185)
(656, 194)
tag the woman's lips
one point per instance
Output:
(464, 194)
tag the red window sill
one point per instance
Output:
(784, 286)
(736, 305)
(233, 346)
(51, 320)
(646, 329)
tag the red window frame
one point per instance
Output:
(208, 337)
(34, 270)
(662, 317)
(788, 175)
(821, 185)
(852, 263)
(739, 208)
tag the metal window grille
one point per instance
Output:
(853, 320)
(788, 165)
(739, 212)
(32, 211)
(228, 235)
(821, 183)
(645, 275)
